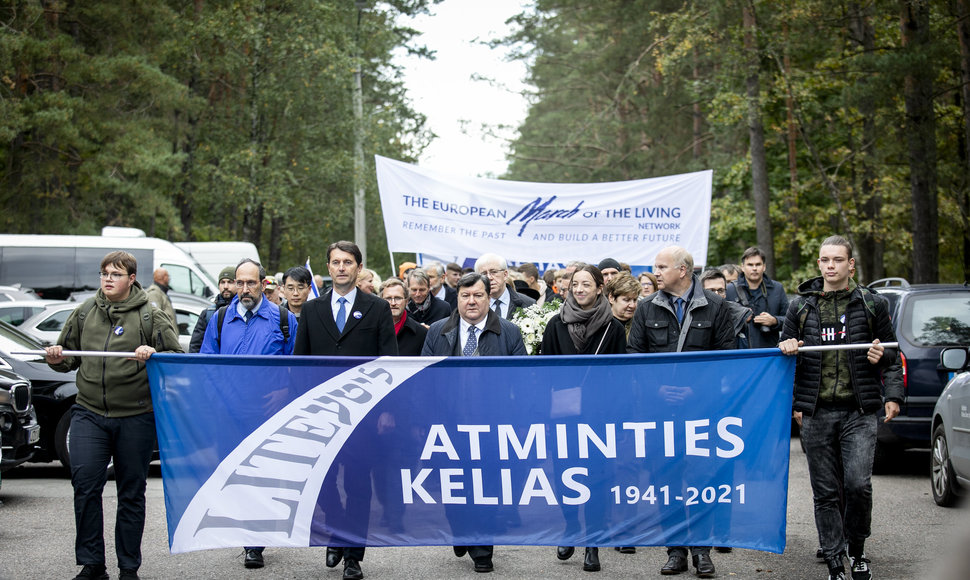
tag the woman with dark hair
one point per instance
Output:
(585, 325)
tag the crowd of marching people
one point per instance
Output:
(447, 310)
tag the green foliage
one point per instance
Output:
(619, 85)
(214, 120)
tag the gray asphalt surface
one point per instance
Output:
(912, 538)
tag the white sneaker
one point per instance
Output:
(860, 568)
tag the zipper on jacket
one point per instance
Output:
(104, 363)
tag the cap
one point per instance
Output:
(608, 263)
(227, 273)
(404, 267)
(269, 283)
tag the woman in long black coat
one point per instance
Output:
(585, 325)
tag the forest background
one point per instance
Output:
(233, 120)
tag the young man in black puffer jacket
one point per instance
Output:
(837, 395)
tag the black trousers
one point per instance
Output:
(95, 440)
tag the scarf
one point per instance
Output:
(583, 324)
(400, 323)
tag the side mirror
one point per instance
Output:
(954, 359)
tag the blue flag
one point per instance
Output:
(620, 450)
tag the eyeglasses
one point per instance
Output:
(395, 298)
(248, 283)
(493, 272)
(113, 276)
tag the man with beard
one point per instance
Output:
(250, 324)
(227, 289)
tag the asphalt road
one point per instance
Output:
(912, 538)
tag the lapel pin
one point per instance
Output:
(357, 314)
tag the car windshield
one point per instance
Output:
(12, 340)
(938, 319)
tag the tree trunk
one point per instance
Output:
(963, 33)
(275, 233)
(794, 249)
(921, 139)
(756, 133)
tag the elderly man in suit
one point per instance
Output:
(347, 322)
(473, 330)
(503, 299)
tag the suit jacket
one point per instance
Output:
(411, 338)
(500, 338)
(516, 301)
(369, 334)
(451, 296)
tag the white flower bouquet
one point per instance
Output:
(532, 323)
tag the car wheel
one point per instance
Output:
(941, 471)
(62, 439)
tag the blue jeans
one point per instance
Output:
(840, 445)
(95, 439)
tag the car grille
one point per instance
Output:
(20, 395)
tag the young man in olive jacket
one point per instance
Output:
(112, 416)
(837, 394)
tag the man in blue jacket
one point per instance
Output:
(473, 330)
(764, 296)
(250, 324)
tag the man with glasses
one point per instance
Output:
(112, 416)
(682, 317)
(296, 288)
(713, 279)
(503, 299)
(410, 334)
(250, 324)
(347, 322)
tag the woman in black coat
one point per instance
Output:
(585, 325)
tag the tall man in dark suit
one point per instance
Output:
(473, 330)
(346, 322)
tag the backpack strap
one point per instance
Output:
(221, 317)
(742, 294)
(86, 308)
(284, 323)
(146, 322)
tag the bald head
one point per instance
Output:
(160, 276)
(675, 267)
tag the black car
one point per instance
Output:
(926, 318)
(19, 431)
(53, 392)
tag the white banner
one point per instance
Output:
(446, 215)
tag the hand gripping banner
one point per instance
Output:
(622, 450)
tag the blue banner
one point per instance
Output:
(622, 450)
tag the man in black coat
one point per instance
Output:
(837, 394)
(440, 290)
(422, 306)
(346, 322)
(473, 330)
(681, 317)
(410, 334)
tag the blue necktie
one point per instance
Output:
(679, 303)
(341, 313)
(471, 344)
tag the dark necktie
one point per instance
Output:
(341, 313)
(498, 308)
(248, 316)
(680, 310)
(471, 344)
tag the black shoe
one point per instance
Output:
(724, 549)
(626, 550)
(675, 565)
(92, 572)
(254, 558)
(704, 565)
(352, 570)
(591, 561)
(128, 574)
(564, 552)
(334, 555)
(484, 564)
(819, 555)
(460, 550)
(860, 567)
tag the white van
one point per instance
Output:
(214, 256)
(55, 266)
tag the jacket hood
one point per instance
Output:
(136, 298)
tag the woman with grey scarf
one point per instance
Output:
(585, 325)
